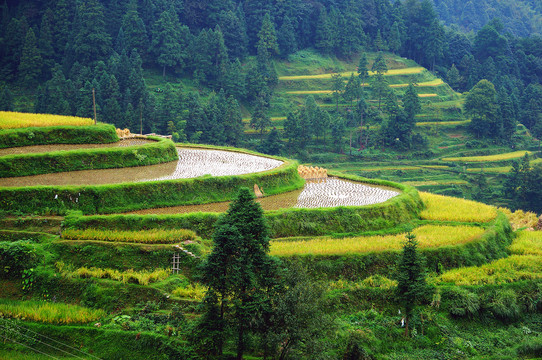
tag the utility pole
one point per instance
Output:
(94, 105)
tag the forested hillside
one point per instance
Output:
(521, 18)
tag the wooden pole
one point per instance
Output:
(94, 105)
(140, 119)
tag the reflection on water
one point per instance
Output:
(191, 163)
(66, 147)
(330, 192)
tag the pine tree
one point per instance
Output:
(267, 39)
(238, 269)
(324, 37)
(272, 144)
(6, 99)
(411, 103)
(31, 61)
(45, 43)
(411, 286)
(166, 44)
(235, 33)
(351, 89)
(233, 127)
(260, 120)
(337, 87)
(134, 30)
(454, 79)
(92, 42)
(363, 72)
(286, 38)
(394, 38)
(292, 130)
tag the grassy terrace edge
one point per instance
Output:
(115, 198)
(283, 223)
(66, 134)
(161, 151)
(489, 246)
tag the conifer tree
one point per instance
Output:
(363, 72)
(267, 39)
(166, 37)
(411, 102)
(337, 87)
(31, 61)
(6, 99)
(238, 270)
(412, 288)
(45, 43)
(379, 84)
(134, 30)
(260, 120)
(92, 42)
(286, 38)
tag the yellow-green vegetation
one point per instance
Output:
(500, 169)
(11, 120)
(528, 243)
(192, 291)
(447, 208)
(127, 276)
(373, 281)
(520, 219)
(434, 82)
(392, 72)
(151, 236)
(442, 123)
(490, 158)
(55, 313)
(428, 236)
(511, 269)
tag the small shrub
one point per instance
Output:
(462, 302)
(504, 305)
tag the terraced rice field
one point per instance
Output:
(490, 158)
(435, 82)
(447, 208)
(11, 120)
(66, 147)
(197, 162)
(191, 163)
(329, 192)
(428, 236)
(392, 72)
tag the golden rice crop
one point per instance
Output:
(428, 236)
(127, 276)
(447, 208)
(489, 158)
(10, 120)
(442, 123)
(528, 243)
(434, 82)
(392, 72)
(427, 95)
(56, 313)
(511, 269)
(520, 219)
(192, 291)
(152, 236)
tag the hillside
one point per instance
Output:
(121, 276)
(521, 18)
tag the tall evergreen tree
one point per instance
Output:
(267, 39)
(412, 288)
(166, 44)
(379, 84)
(482, 107)
(31, 62)
(338, 88)
(260, 120)
(6, 99)
(134, 30)
(411, 103)
(45, 44)
(238, 270)
(286, 38)
(92, 42)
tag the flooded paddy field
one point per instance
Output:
(191, 163)
(66, 147)
(330, 192)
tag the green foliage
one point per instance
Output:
(482, 107)
(95, 134)
(462, 302)
(17, 257)
(87, 159)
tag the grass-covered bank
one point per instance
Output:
(88, 134)
(157, 152)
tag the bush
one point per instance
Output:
(504, 305)
(94, 134)
(16, 257)
(461, 302)
(531, 347)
